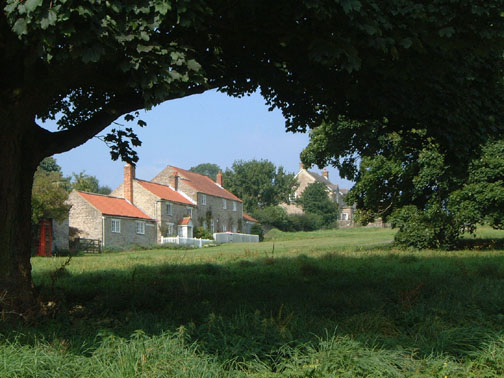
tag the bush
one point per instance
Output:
(306, 222)
(274, 216)
(201, 233)
(256, 229)
(432, 228)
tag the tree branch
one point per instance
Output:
(62, 141)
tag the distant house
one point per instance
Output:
(112, 220)
(218, 210)
(304, 178)
(248, 222)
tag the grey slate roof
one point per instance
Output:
(323, 180)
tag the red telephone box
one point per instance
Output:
(45, 240)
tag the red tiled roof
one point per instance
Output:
(164, 192)
(113, 205)
(206, 185)
(249, 218)
(185, 221)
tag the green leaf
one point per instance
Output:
(143, 48)
(51, 19)
(162, 7)
(406, 43)
(20, 27)
(31, 5)
(193, 65)
(446, 32)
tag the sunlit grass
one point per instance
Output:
(327, 303)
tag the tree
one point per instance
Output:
(259, 183)
(87, 183)
(207, 169)
(49, 193)
(315, 200)
(437, 65)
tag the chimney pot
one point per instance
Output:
(129, 176)
(219, 178)
(325, 173)
(175, 181)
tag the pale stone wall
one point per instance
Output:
(118, 192)
(128, 235)
(60, 234)
(224, 219)
(84, 217)
(165, 177)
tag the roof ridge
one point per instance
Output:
(98, 194)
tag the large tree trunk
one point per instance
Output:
(19, 157)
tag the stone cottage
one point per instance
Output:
(218, 210)
(112, 220)
(166, 204)
(304, 178)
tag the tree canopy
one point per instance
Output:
(206, 169)
(88, 183)
(259, 183)
(391, 66)
(315, 200)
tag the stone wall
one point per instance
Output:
(60, 234)
(128, 235)
(84, 217)
(224, 219)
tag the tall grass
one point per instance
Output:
(331, 303)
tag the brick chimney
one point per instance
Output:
(325, 173)
(301, 166)
(129, 176)
(175, 181)
(219, 178)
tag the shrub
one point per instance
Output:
(306, 222)
(274, 216)
(256, 229)
(201, 233)
(432, 228)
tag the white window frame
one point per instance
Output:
(203, 199)
(140, 227)
(224, 204)
(234, 206)
(115, 226)
(344, 216)
(169, 208)
(171, 228)
(189, 211)
(212, 226)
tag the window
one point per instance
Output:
(170, 229)
(140, 227)
(169, 209)
(212, 226)
(344, 216)
(234, 228)
(189, 211)
(234, 206)
(115, 226)
(224, 203)
(224, 227)
(203, 199)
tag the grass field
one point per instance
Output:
(326, 303)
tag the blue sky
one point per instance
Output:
(205, 128)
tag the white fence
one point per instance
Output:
(186, 241)
(232, 237)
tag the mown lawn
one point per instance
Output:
(326, 303)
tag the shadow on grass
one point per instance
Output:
(252, 307)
